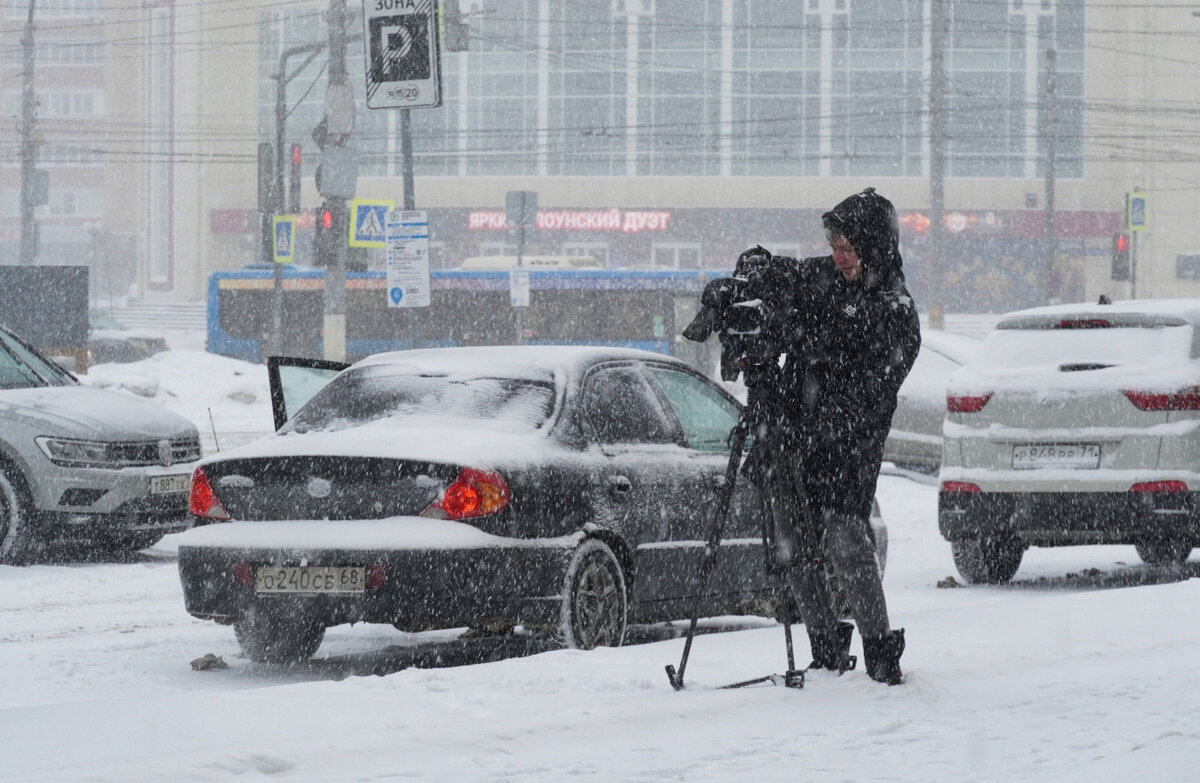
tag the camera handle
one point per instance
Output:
(792, 678)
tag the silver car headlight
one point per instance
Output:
(78, 453)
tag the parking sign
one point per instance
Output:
(403, 54)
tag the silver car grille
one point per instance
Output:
(154, 452)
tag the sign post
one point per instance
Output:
(1137, 220)
(520, 208)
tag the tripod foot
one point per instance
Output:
(793, 678)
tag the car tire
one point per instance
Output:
(594, 600)
(17, 540)
(266, 637)
(1163, 551)
(987, 560)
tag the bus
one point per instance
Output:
(640, 308)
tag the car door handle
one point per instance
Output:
(619, 485)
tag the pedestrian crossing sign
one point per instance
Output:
(284, 233)
(367, 220)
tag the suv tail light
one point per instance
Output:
(966, 403)
(1182, 400)
(1083, 323)
(203, 502)
(474, 493)
(1159, 486)
(960, 486)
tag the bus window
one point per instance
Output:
(531, 262)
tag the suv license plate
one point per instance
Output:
(310, 579)
(1028, 456)
(179, 482)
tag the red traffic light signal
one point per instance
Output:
(1120, 257)
(294, 181)
(326, 219)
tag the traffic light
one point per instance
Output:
(455, 32)
(294, 183)
(266, 179)
(325, 238)
(1120, 257)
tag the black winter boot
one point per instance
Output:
(882, 656)
(831, 649)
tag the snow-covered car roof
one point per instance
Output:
(1027, 351)
(1181, 310)
(510, 361)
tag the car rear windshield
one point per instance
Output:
(374, 392)
(1111, 346)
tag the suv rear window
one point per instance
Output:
(1117, 345)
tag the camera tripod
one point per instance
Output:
(792, 677)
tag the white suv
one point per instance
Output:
(1075, 424)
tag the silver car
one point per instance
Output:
(915, 438)
(1075, 424)
(84, 465)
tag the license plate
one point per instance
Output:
(1027, 456)
(180, 482)
(310, 579)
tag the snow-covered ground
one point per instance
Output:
(1068, 674)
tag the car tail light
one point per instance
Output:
(1083, 323)
(474, 493)
(966, 403)
(1159, 486)
(376, 576)
(1182, 400)
(960, 486)
(203, 502)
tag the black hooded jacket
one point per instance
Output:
(850, 344)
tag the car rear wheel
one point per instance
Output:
(595, 602)
(267, 637)
(16, 533)
(1163, 551)
(987, 560)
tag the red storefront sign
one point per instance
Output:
(626, 221)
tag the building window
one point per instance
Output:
(676, 255)
(1187, 266)
(597, 250)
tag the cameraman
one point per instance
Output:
(851, 332)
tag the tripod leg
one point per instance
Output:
(710, 555)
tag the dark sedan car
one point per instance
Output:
(559, 488)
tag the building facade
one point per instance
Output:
(665, 133)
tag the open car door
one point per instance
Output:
(294, 381)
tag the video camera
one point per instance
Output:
(738, 309)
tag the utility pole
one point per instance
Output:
(281, 82)
(935, 266)
(1048, 231)
(339, 119)
(29, 229)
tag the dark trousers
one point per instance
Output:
(810, 540)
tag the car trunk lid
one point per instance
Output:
(323, 487)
